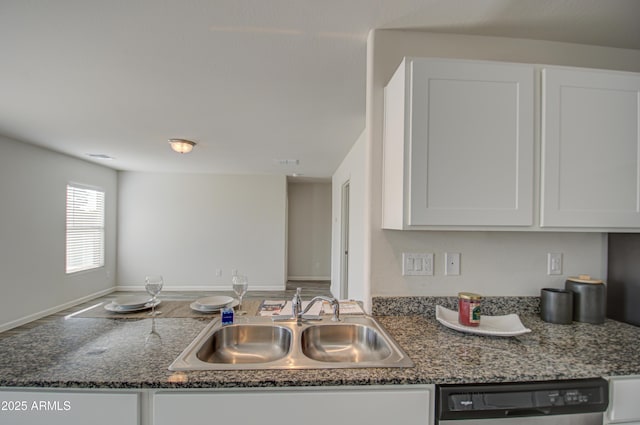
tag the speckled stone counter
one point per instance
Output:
(108, 353)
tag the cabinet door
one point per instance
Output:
(295, 407)
(590, 148)
(623, 399)
(471, 138)
(68, 408)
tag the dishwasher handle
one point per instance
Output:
(527, 412)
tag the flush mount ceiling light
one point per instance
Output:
(287, 161)
(182, 145)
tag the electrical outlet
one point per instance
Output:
(452, 263)
(417, 264)
(554, 263)
(219, 272)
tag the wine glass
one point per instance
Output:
(153, 285)
(153, 340)
(240, 286)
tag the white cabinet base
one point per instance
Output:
(26, 407)
(411, 405)
(624, 400)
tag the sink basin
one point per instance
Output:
(242, 344)
(351, 343)
(259, 343)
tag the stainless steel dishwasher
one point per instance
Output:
(574, 402)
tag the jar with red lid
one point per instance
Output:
(469, 309)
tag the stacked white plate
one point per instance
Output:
(131, 303)
(213, 304)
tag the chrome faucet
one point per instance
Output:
(335, 305)
(296, 306)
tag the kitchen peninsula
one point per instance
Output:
(94, 355)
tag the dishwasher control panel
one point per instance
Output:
(482, 400)
(565, 397)
(522, 399)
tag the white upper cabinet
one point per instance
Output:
(461, 147)
(459, 144)
(590, 149)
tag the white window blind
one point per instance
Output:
(85, 228)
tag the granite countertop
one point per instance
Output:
(107, 353)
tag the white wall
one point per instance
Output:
(352, 169)
(186, 226)
(33, 184)
(496, 263)
(309, 231)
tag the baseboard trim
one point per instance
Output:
(39, 315)
(195, 288)
(310, 278)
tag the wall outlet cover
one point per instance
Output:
(554, 263)
(452, 263)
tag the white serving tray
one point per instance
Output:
(509, 325)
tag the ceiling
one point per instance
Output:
(252, 82)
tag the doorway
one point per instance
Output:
(309, 216)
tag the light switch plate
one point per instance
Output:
(417, 264)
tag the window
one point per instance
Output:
(85, 228)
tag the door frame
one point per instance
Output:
(344, 240)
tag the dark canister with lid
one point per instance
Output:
(589, 299)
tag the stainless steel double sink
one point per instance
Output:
(260, 343)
